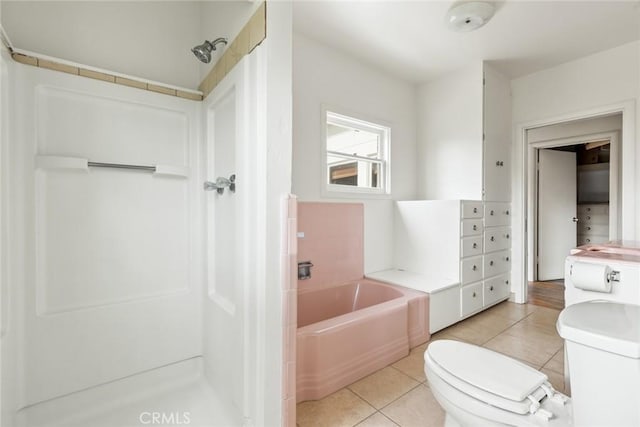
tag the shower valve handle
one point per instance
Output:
(221, 183)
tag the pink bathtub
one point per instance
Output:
(349, 331)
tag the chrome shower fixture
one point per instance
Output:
(203, 51)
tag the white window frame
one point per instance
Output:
(331, 115)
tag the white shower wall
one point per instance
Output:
(108, 258)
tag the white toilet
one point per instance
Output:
(479, 387)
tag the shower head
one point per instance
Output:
(203, 51)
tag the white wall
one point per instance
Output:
(147, 39)
(277, 146)
(449, 151)
(586, 85)
(323, 76)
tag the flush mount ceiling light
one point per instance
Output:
(469, 16)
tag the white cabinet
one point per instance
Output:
(471, 299)
(593, 223)
(458, 251)
(497, 136)
(465, 136)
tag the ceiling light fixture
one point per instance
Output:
(469, 16)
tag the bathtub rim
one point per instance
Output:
(343, 320)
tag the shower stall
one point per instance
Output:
(131, 295)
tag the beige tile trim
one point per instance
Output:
(56, 66)
(251, 35)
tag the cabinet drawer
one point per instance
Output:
(591, 240)
(471, 227)
(470, 299)
(598, 209)
(497, 263)
(594, 219)
(496, 289)
(444, 308)
(497, 239)
(594, 229)
(497, 214)
(471, 209)
(471, 246)
(471, 270)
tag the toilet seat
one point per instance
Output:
(494, 380)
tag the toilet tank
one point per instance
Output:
(602, 340)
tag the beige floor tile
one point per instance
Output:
(511, 310)
(481, 327)
(377, 420)
(442, 335)
(556, 363)
(543, 318)
(383, 387)
(412, 365)
(418, 408)
(420, 349)
(526, 343)
(556, 379)
(342, 408)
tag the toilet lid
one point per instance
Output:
(488, 376)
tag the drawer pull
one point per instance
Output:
(492, 239)
(490, 262)
(506, 212)
(474, 295)
(588, 217)
(588, 240)
(506, 259)
(506, 282)
(491, 288)
(475, 227)
(506, 236)
(475, 210)
(588, 209)
(475, 246)
(588, 228)
(491, 213)
(474, 268)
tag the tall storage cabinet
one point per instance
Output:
(464, 148)
(464, 157)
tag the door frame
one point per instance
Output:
(522, 187)
(614, 177)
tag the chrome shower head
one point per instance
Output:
(203, 51)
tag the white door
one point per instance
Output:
(556, 211)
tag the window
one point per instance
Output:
(357, 155)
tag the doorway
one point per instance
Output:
(574, 198)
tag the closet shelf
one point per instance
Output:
(78, 163)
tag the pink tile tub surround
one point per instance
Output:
(348, 331)
(333, 241)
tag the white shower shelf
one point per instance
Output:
(79, 163)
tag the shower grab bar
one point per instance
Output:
(121, 166)
(60, 162)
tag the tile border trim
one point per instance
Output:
(251, 35)
(106, 77)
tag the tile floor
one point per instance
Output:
(399, 395)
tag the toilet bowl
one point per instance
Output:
(479, 387)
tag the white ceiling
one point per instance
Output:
(409, 39)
